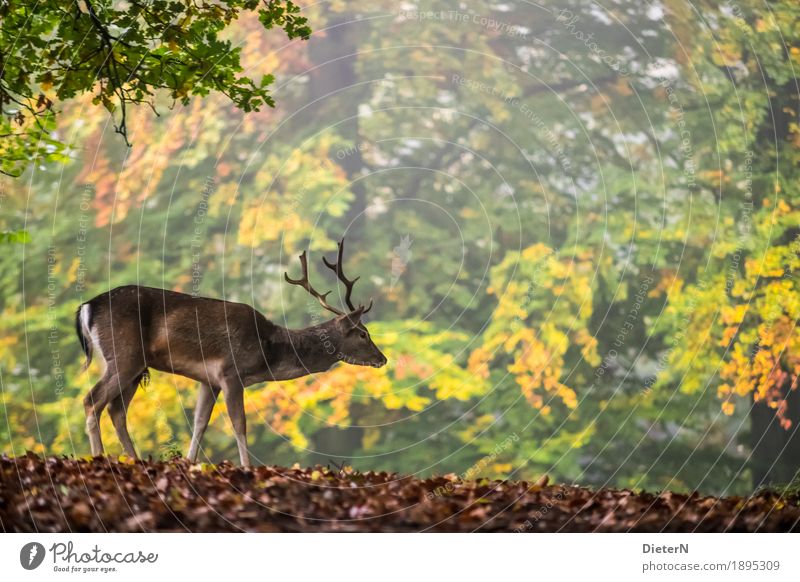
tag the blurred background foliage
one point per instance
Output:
(579, 223)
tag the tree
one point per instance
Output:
(737, 314)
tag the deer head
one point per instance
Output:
(349, 337)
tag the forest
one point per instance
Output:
(578, 224)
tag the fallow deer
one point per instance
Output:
(225, 346)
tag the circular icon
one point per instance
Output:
(31, 555)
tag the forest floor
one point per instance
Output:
(60, 494)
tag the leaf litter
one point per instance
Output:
(62, 494)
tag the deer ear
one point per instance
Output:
(353, 318)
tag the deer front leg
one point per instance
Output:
(206, 400)
(234, 401)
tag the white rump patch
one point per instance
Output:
(85, 316)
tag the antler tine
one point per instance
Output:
(305, 284)
(338, 269)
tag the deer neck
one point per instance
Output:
(298, 352)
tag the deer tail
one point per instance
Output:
(82, 328)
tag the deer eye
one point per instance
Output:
(363, 335)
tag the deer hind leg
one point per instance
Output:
(202, 414)
(234, 401)
(93, 404)
(118, 411)
(111, 386)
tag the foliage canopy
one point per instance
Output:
(123, 53)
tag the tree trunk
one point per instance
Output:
(335, 93)
(775, 457)
(334, 87)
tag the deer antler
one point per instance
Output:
(304, 283)
(337, 268)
